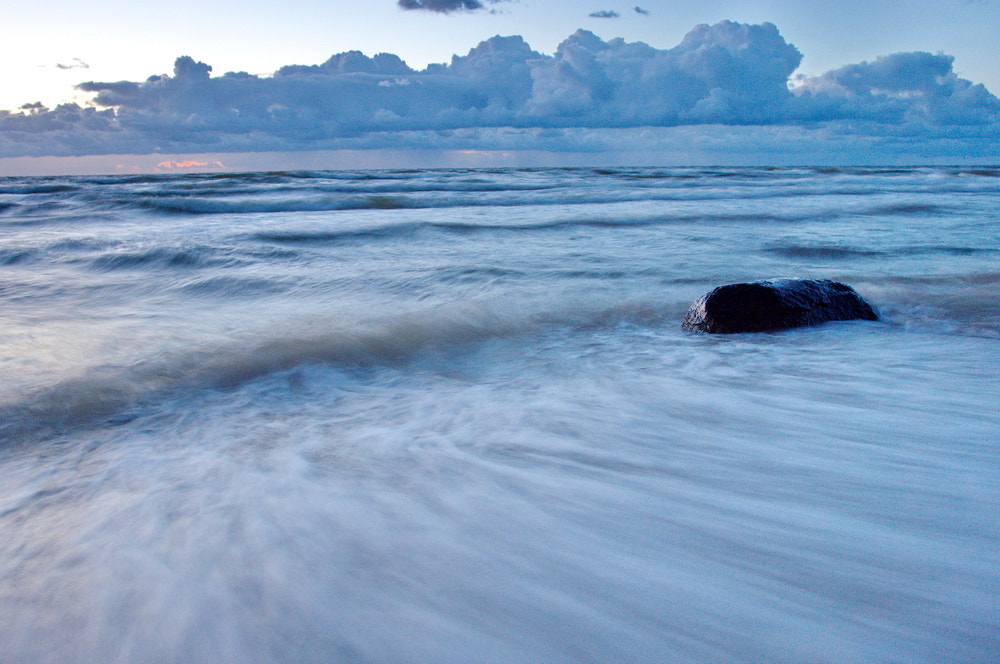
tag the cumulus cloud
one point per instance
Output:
(727, 74)
(606, 13)
(899, 88)
(444, 6)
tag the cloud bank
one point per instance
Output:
(502, 94)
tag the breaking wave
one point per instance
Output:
(106, 394)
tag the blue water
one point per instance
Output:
(450, 416)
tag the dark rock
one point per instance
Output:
(779, 304)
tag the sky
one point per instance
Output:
(759, 82)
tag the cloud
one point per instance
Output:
(902, 88)
(605, 14)
(504, 95)
(188, 164)
(729, 73)
(444, 6)
(77, 64)
(640, 10)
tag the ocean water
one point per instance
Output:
(450, 416)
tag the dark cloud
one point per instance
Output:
(640, 10)
(605, 14)
(727, 74)
(77, 64)
(444, 6)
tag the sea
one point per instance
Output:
(435, 416)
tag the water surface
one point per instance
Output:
(450, 416)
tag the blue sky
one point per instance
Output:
(557, 107)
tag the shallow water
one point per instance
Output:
(450, 416)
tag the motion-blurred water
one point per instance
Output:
(450, 416)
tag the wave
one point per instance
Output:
(464, 228)
(251, 206)
(16, 256)
(907, 208)
(335, 236)
(111, 256)
(32, 189)
(451, 197)
(454, 195)
(820, 251)
(44, 208)
(251, 176)
(645, 174)
(458, 275)
(171, 258)
(162, 257)
(79, 244)
(957, 280)
(294, 190)
(836, 252)
(950, 250)
(967, 304)
(110, 395)
(980, 172)
(233, 287)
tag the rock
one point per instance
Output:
(779, 304)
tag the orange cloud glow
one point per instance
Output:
(189, 164)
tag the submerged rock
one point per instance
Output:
(779, 304)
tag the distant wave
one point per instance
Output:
(29, 189)
(409, 228)
(26, 201)
(905, 208)
(834, 252)
(981, 172)
(821, 251)
(454, 198)
(951, 250)
(965, 279)
(291, 204)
